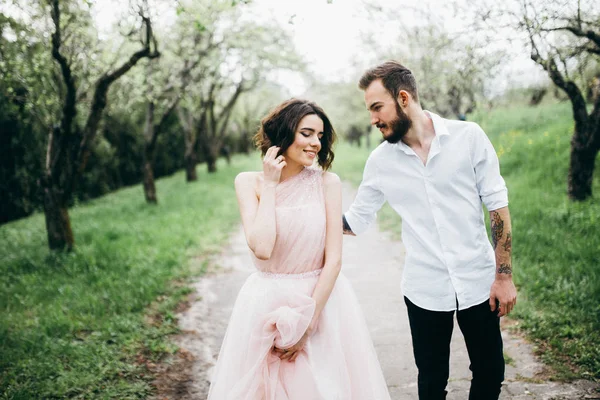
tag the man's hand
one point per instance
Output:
(504, 292)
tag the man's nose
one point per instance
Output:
(374, 119)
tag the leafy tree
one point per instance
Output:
(68, 142)
(565, 41)
(244, 58)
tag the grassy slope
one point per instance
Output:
(78, 325)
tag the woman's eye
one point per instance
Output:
(304, 134)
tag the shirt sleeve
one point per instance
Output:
(368, 201)
(490, 184)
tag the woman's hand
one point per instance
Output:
(291, 353)
(272, 165)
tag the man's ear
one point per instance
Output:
(403, 98)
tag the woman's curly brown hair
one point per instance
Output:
(278, 128)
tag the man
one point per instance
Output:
(436, 173)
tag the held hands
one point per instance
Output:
(272, 165)
(291, 353)
(503, 292)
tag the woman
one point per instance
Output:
(296, 331)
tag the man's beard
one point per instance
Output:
(399, 126)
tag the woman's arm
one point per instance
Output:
(333, 244)
(258, 216)
(333, 257)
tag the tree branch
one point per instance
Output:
(69, 111)
(570, 88)
(170, 108)
(226, 112)
(99, 100)
(595, 121)
(579, 32)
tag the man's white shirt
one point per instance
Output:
(448, 254)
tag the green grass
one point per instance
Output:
(556, 241)
(83, 324)
(556, 252)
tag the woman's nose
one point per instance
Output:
(316, 142)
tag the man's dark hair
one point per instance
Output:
(394, 76)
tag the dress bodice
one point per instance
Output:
(300, 223)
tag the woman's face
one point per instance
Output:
(307, 141)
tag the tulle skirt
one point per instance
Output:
(337, 362)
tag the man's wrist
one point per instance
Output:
(503, 276)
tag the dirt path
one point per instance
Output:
(373, 263)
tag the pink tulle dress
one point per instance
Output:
(274, 307)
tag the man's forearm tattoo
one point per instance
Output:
(505, 269)
(508, 243)
(497, 228)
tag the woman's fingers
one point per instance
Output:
(294, 356)
(267, 156)
(288, 354)
(271, 152)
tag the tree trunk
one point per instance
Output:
(585, 144)
(210, 152)
(211, 162)
(246, 142)
(581, 168)
(149, 186)
(58, 223)
(149, 145)
(190, 167)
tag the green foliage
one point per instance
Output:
(26, 107)
(209, 37)
(556, 241)
(73, 325)
(556, 252)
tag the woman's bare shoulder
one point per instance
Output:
(248, 178)
(331, 179)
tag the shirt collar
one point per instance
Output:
(438, 126)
